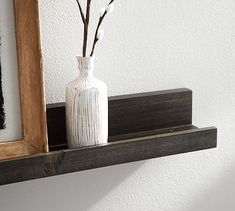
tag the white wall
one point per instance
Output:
(149, 45)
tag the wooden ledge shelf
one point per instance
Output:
(141, 126)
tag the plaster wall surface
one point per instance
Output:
(149, 45)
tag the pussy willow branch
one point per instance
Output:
(85, 21)
(86, 26)
(97, 30)
(81, 12)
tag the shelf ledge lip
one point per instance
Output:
(124, 151)
(157, 136)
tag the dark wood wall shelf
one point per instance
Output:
(141, 126)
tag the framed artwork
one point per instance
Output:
(22, 106)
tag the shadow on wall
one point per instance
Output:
(98, 183)
(221, 197)
(78, 191)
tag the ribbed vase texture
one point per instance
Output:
(86, 107)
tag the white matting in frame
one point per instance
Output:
(10, 83)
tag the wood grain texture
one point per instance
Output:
(166, 129)
(31, 83)
(15, 149)
(122, 151)
(131, 113)
(149, 111)
(31, 74)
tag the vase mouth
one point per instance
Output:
(85, 57)
(85, 63)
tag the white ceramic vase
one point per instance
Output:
(86, 107)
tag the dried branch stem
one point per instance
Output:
(97, 30)
(81, 12)
(86, 27)
(85, 21)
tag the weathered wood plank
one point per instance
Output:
(141, 126)
(123, 151)
(132, 113)
(134, 135)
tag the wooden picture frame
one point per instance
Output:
(33, 109)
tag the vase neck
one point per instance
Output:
(85, 66)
